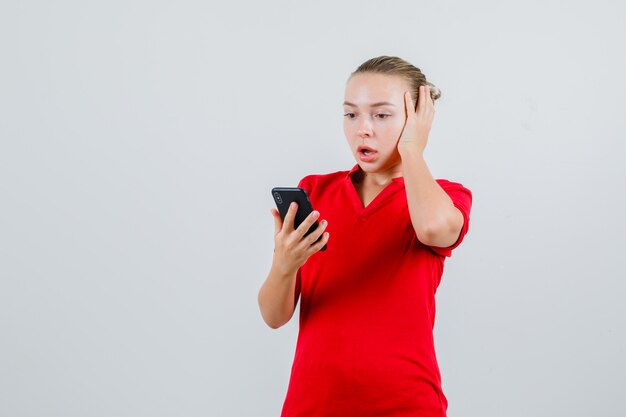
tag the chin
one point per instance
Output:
(370, 166)
(383, 162)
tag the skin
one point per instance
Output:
(278, 295)
(378, 127)
(399, 133)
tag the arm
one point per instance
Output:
(279, 293)
(437, 222)
(277, 298)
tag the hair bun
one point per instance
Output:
(435, 92)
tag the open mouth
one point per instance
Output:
(365, 150)
(366, 154)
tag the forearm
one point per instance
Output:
(432, 212)
(276, 297)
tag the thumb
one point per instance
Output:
(278, 222)
(408, 104)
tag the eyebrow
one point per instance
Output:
(380, 103)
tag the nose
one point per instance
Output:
(364, 127)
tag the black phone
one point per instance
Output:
(284, 196)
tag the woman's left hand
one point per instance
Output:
(417, 125)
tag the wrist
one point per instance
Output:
(410, 151)
(282, 272)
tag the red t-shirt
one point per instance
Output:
(367, 307)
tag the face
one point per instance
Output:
(374, 117)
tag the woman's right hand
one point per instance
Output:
(291, 248)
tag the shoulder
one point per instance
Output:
(453, 187)
(461, 195)
(447, 184)
(320, 180)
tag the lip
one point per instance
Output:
(361, 148)
(366, 158)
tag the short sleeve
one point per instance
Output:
(304, 183)
(462, 199)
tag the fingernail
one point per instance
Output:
(316, 214)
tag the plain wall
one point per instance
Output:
(139, 142)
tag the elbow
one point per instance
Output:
(273, 324)
(269, 319)
(442, 233)
(274, 314)
(429, 234)
(427, 237)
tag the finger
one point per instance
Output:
(431, 102)
(290, 216)
(315, 234)
(307, 223)
(278, 222)
(422, 97)
(408, 104)
(316, 247)
(411, 115)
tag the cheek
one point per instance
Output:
(347, 130)
(393, 130)
(399, 122)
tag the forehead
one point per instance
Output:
(365, 88)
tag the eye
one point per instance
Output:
(383, 116)
(349, 115)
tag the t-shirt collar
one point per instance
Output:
(354, 169)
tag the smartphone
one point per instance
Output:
(283, 196)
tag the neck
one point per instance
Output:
(379, 178)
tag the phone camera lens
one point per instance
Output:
(279, 200)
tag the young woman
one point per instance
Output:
(367, 303)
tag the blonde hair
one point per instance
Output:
(392, 65)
